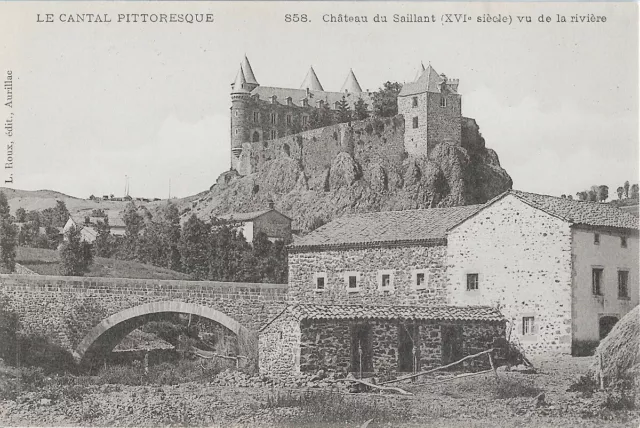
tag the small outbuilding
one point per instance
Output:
(385, 340)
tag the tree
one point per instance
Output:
(170, 230)
(360, 110)
(385, 100)
(104, 243)
(582, 196)
(315, 121)
(21, 215)
(76, 255)
(634, 191)
(626, 189)
(194, 247)
(133, 225)
(344, 113)
(326, 115)
(592, 194)
(8, 237)
(603, 192)
(620, 191)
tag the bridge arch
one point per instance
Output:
(126, 321)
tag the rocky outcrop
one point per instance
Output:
(364, 168)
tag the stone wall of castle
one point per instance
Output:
(371, 140)
(402, 264)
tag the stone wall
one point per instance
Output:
(371, 140)
(326, 344)
(522, 257)
(65, 309)
(402, 263)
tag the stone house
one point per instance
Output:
(274, 224)
(394, 257)
(562, 271)
(385, 340)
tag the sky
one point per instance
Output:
(94, 103)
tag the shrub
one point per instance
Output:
(510, 387)
(38, 351)
(584, 348)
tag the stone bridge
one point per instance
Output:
(90, 316)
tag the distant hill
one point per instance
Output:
(46, 262)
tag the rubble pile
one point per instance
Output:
(319, 379)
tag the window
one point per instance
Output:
(623, 281)
(352, 281)
(597, 281)
(415, 122)
(415, 101)
(527, 325)
(623, 241)
(305, 120)
(289, 120)
(235, 113)
(256, 117)
(320, 281)
(274, 134)
(472, 281)
(596, 238)
(385, 280)
(273, 118)
(443, 101)
(419, 279)
(237, 131)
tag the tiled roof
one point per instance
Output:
(429, 81)
(311, 81)
(297, 95)
(446, 313)
(387, 227)
(580, 212)
(351, 84)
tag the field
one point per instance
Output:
(46, 262)
(512, 400)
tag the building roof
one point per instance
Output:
(308, 311)
(387, 227)
(311, 81)
(297, 95)
(631, 209)
(248, 71)
(419, 72)
(240, 217)
(351, 84)
(239, 85)
(586, 213)
(429, 81)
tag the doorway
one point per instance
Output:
(451, 343)
(407, 344)
(606, 323)
(361, 348)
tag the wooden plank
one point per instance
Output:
(437, 368)
(384, 388)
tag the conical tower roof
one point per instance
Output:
(420, 71)
(351, 84)
(240, 84)
(311, 81)
(248, 71)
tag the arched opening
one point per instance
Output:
(606, 324)
(286, 149)
(104, 337)
(256, 137)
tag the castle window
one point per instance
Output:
(274, 134)
(415, 122)
(596, 281)
(237, 131)
(419, 279)
(623, 241)
(256, 117)
(596, 238)
(527, 325)
(305, 120)
(385, 280)
(320, 281)
(256, 137)
(305, 102)
(443, 101)
(352, 281)
(274, 117)
(235, 113)
(415, 101)
(288, 120)
(472, 281)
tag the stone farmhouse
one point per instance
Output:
(274, 224)
(261, 115)
(560, 271)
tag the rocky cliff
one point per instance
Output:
(318, 175)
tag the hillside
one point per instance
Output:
(317, 175)
(46, 262)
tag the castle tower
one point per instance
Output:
(432, 111)
(419, 72)
(252, 83)
(311, 81)
(351, 84)
(240, 95)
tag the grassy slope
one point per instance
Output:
(46, 262)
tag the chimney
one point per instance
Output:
(271, 204)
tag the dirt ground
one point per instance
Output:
(476, 402)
